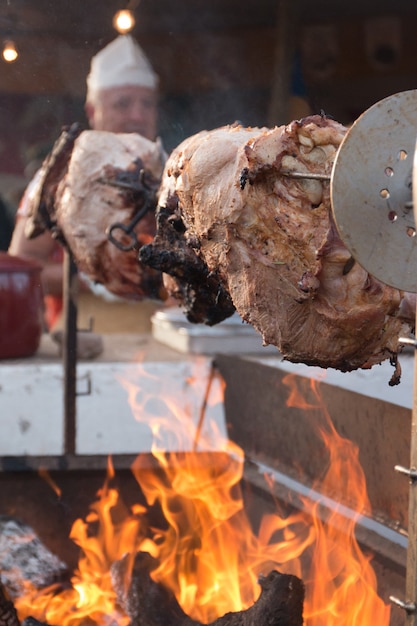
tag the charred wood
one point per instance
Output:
(148, 603)
(32, 621)
(8, 615)
(24, 558)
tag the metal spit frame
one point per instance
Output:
(70, 394)
(69, 353)
(410, 604)
(369, 262)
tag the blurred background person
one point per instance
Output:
(122, 97)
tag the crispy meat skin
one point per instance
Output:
(271, 242)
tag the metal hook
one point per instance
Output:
(143, 189)
(409, 607)
(127, 229)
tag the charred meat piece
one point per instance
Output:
(187, 276)
(272, 245)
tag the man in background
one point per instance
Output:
(122, 95)
(122, 90)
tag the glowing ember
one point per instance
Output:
(208, 553)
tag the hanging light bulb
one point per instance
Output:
(9, 53)
(124, 21)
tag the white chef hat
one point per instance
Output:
(121, 62)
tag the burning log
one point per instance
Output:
(32, 621)
(147, 603)
(8, 615)
(24, 558)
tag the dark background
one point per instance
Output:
(218, 61)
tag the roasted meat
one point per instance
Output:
(94, 183)
(236, 231)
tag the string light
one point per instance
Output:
(124, 21)
(9, 53)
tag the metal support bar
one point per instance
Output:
(411, 473)
(409, 607)
(411, 576)
(69, 354)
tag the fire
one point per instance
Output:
(91, 594)
(340, 580)
(207, 552)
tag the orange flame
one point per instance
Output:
(208, 553)
(341, 583)
(91, 594)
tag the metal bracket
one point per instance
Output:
(142, 189)
(411, 473)
(87, 392)
(409, 607)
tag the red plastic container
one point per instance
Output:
(21, 307)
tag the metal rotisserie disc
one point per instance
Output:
(371, 190)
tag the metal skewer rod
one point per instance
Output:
(309, 175)
(324, 177)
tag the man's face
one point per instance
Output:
(125, 109)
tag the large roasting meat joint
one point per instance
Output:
(243, 222)
(258, 221)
